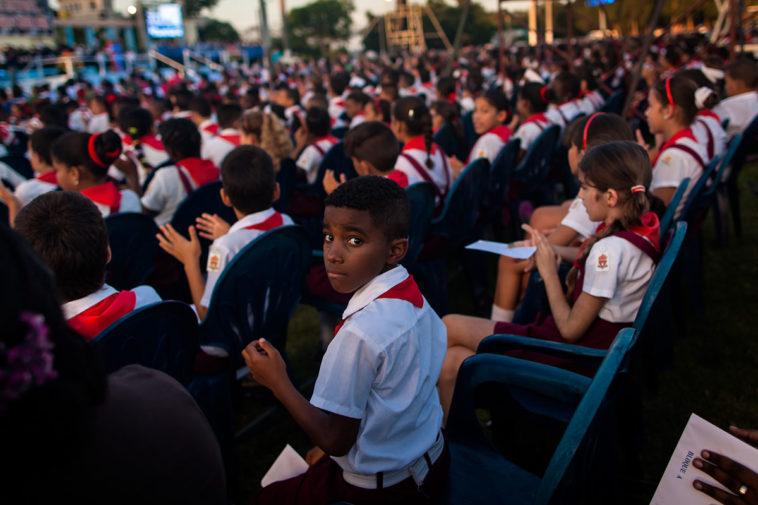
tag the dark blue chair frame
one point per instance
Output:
(745, 147)
(716, 193)
(446, 139)
(667, 220)
(134, 249)
(286, 177)
(334, 159)
(421, 198)
(501, 172)
(469, 134)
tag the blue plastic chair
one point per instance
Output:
(469, 134)
(668, 217)
(421, 197)
(163, 336)
(340, 131)
(535, 166)
(134, 249)
(745, 147)
(694, 201)
(446, 139)
(4, 213)
(715, 194)
(479, 473)
(286, 177)
(501, 171)
(335, 159)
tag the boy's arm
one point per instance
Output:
(188, 253)
(333, 433)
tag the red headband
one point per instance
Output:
(93, 153)
(543, 89)
(668, 91)
(451, 97)
(587, 127)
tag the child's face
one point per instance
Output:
(355, 249)
(733, 86)
(592, 198)
(486, 116)
(655, 112)
(352, 108)
(437, 120)
(371, 113)
(68, 179)
(574, 157)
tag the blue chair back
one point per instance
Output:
(481, 474)
(163, 336)
(257, 292)
(446, 139)
(205, 199)
(461, 208)
(536, 164)
(286, 177)
(501, 171)
(421, 197)
(693, 202)
(668, 217)
(468, 130)
(746, 145)
(335, 159)
(19, 164)
(726, 160)
(614, 104)
(133, 249)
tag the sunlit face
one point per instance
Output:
(437, 120)
(574, 157)
(486, 116)
(68, 177)
(352, 108)
(656, 112)
(371, 113)
(593, 200)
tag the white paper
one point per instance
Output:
(675, 487)
(287, 465)
(520, 253)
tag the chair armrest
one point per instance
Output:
(500, 344)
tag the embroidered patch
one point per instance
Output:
(575, 204)
(481, 154)
(667, 158)
(214, 261)
(602, 262)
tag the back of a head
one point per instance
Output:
(41, 141)
(228, 114)
(94, 153)
(248, 178)
(135, 122)
(599, 128)
(181, 138)
(566, 86)
(744, 70)
(68, 232)
(679, 92)
(318, 121)
(446, 86)
(385, 201)
(338, 81)
(618, 165)
(181, 98)
(200, 106)
(358, 97)
(54, 115)
(534, 93)
(413, 112)
(374, 142)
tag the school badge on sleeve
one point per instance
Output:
(602, 262)
(214, 261)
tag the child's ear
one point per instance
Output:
(225, 198)
(502, 115)
(398, 248)
(612, 197)
(277, 192)
(109, 255)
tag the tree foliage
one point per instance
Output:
(213, 30)
(191, 8)
(479, 29)
(315, 27)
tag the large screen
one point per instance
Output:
(597, 3)
(164, 21)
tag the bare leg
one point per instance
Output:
(446, 385)
(509, 280)
(467, 331)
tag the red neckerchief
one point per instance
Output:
(331, 138)
(105, 194)
(148, 140)
(232, 138)
(501, 131)
(201, 171)
(273, 221)
(406, 290)
(211, 128)
(534, 118)
(48, 177)
(399, 177)
(649, 229)
(101, 315)
(709, 113)
(419, 143)
(685, 133)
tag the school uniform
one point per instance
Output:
(79, 119)
(293, 116)
(357, 119)
(241, 233)
(110, 200)
(32, 188)
(412, 163)
(489, 144)
(98, 123)
(530, 129)
(9, 175)
(680, 157)
(563, 113)
(591, 102)
(310, 157)
(336, 110)
(618, 268)
(709, 133)
(148, 152)
(382, 368)
(740, 110)
(216, 148)
(578, 220)
(171, 185)
(93, 313)
(208, 128)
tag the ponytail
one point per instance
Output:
(96, 153)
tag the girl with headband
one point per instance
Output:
(612, 269)
(531, 106)
(81, 163)
(707, 125)
(670, 113)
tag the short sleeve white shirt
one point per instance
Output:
(618, 270)
(10, 175)
(564, 113)
(740, 110)
(31, 189)
(441, 174)
(310, 158)
(674, 165)
(486, 146)
(98, 123)
(528, 132)
(578, 220)
(215, 149)
(708, 132)
(382, 367)
(165, 192)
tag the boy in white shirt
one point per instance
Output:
(215, 148)
(741, 106)
(374, 410)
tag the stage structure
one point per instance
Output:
(403, 29)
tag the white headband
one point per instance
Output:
(701, 95)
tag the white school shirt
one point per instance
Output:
(293, 115)
(382, 367)
(530, 129)
(208, 128)
(105, 196)
(165, 192)
(7, 173)
(98, 123)
(591, 103)
(145, 295)
(310, 157)
(740, 110)
(673, 165)
(336, 109)
(441, 174)
(31, 189)
(489, 144)
(708, 131)
(216, 148)
(357, 119)
(578, 220)
(618, 270)
(564, 113)
(226, 247)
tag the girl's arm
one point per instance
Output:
(566, 253)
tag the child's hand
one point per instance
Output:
(265, 363)
(171, 241)
(126, 165)
(545, 257)
(330, 182)
(315, 454)
(11, 202)
(749, 436)
(456, 166)
(211, 226)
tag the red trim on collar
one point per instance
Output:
(709, 113)
(331, 138)
(201, 171)
(275, 220)
(48, 177)
(211, 128)
(684, 133)
(232, 138)
(101, 315)
(501, 131)
(399, 177)
(105, 194)
(407, 290)
(650, 229)
(539, 117)
(419, 143)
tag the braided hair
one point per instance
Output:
(137, 122)
(414, 114)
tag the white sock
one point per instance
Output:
(502, 315)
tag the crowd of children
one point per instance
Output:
(386, 379)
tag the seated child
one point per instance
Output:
(82, 160)
(200, 114)
(173, 183)
(374, 414)
(69, 233)
(531, 106)
(707, 125)
(564, 92)
(490, 114)
(611, 271)
(741, 105)
(99, 120)
(140, 140)
(266, 130)
(314, 139)
(378, 109)
(215, 148)
(249, 187)
(289, 98)
(355, 104)
(45, 178)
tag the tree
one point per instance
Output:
(317, 25)
(217, 31)
(191, 8)
(479, 28)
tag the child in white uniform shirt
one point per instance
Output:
(313, 141)
(45, 178)
(741, 106)
(374, 413)
(564, 91)
(214, 148)
(490, 114)
(531, 107)
(249, 187)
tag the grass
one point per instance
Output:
(714, 371)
